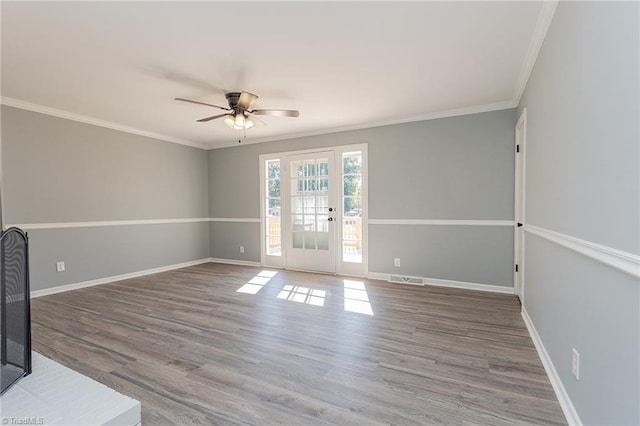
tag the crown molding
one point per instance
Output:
(539, 34)
(497, 106)
(16, 103)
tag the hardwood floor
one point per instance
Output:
(193, 350)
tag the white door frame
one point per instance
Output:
(519, 204)
(342, 268)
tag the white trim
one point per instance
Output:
(235, 262)
(468, 286)
(106, 280)
(449, 283)
(568, 409)
(235, 219)
(440, 222)
(378, 276)
(414, 118)
(2, 205)
(59, 225)
(520, 189)
(621, 260)
(16, 103)
(539, 33)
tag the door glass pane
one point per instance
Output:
(273, 246)
(273, 187)
(297, 205)
(309, 185)
(352, 207)
(323, 241)
(273, 169)
(322, 204)
(310, 223)
(352, 185)
(272, 206)
(273, 226)
(323, 184)
(297, 239)
(310, 204)
(297, 223)
(323, 167)
(309, 167)
(352, 228)
(297, 186)
(310, 240)
(352, 251)
(322, 224)
(352, 163)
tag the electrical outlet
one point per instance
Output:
(60, 267)
(396, 262)
(241, 249)
(575, 363)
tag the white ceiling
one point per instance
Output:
(343, 65)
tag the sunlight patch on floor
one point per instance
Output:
(356, 298)
(304, 295)
(255, 284)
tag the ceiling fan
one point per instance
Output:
(238, 114)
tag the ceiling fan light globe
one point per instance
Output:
(229, 121)
(248, 123)
(239, 121)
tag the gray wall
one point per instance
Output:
(56, 170)
(227, 237)
(450, 168)
(583, 180)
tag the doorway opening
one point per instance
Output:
(519, 205)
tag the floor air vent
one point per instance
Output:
(402, 279)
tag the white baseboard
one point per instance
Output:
(377, 276)
(449, 283)
(99, 281)
(469, 286)
(568, 409)
(235, 262)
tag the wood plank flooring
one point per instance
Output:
(194, 351)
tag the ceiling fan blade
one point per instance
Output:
(202, 103)
(246, 99)
(277, 112)
(202, 120)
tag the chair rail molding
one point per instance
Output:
(444, 222)
(91, 224)
(618, 259)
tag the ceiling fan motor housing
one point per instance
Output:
(232, 98)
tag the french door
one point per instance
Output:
(309, 211)
(314, 210)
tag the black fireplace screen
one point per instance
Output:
(15, 321)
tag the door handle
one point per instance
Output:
(330, 219)
(519, 224)
(330, 209)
